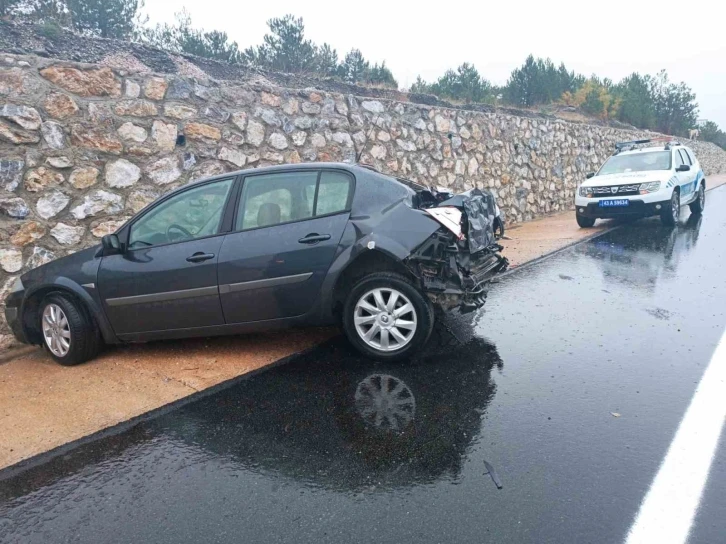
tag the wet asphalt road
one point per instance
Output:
(334, 448)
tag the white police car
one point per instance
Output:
(642, 182)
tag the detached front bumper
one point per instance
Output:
(636, 207)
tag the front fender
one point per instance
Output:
(62, 283)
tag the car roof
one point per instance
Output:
(648, 150)
(376, 188)
(352, 168)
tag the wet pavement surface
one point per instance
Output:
(566, 392)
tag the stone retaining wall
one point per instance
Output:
(84, 147)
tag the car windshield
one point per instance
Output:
(637, 162)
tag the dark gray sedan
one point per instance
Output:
(269, 248)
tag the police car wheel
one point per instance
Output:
(585, 222)
(670, 214)
(700, 202)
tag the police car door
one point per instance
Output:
(696, 175)
(685, 179)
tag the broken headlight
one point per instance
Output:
(586, 191)
(651, 187)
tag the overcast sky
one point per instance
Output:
(609, 38)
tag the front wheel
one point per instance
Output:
(69, 334)
(699, 204)
(585, 222)
(670, 214)
(386, 318)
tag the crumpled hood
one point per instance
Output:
(474, 212)
(628, 177)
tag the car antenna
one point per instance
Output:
(363, 148)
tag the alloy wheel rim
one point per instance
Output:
(385, 319)
(385, 402)
(56, 330)
(702, 197)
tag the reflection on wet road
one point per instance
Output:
(569, 387)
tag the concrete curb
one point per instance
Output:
(16, 351)
(541, 258)
(42, 458)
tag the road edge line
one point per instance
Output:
(668, 510)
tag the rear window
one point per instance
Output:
(333, 193)
(273, 199)
(636, 162)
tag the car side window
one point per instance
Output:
(271, 199)
(687, 156)
(333, 193)
(195, 213)
(684, 156)
(679, 158)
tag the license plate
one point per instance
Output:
(614, 203)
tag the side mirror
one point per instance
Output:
(683, 168)
(590, 175)
(111, 243)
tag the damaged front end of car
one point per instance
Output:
(456, 263)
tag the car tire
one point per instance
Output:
(361, 305)
(670, 214)
(699, 204)
(585, 222)
(69, 333)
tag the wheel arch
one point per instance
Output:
(363, 264)
(67, 288)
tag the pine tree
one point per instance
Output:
(285, 48)
(674, 105)
(182, 37)
(382, 76)
(354, 67)
(104, 18)
(326, 60)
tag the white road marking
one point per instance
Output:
(668, 510)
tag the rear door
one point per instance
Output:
(166, 278)
(695, 169)
(287, 229)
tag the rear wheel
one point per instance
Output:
(585, 222)
(699, 204)
(670, 214)
(386, 317)
(69, 334)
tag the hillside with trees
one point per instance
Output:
(645, 101)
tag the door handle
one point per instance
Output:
(199, 257)
(314, 238)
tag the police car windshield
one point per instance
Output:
(636, 162)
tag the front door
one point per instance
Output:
(287, 229)
(685, 179)
(166, 278)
